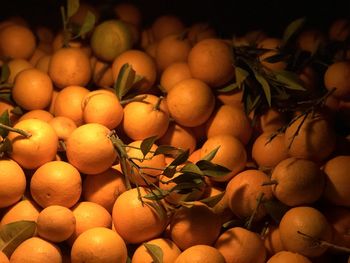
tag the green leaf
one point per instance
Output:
(4, 119)
(128, 260)
(188, 178)
(156, 194)
(169, 171)
(185, 187)
(252, 104)
(228, 88)
(191, 168)
(275, 209)
(13, 234)
(88, 25)
(167, 150)
(5, 73)
(124, 81)
(181, 158)
(275, 58)
(211, 154)
(292, 29)
(212, 169)
(7, 96)
(289, 79)
(147, 144)
(213, 200)
(5, 147)
(241, 75)
(72, 7)
(155, 251)
(17, 111)
(137, 78)
(265, 86)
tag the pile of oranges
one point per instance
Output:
(78, 106)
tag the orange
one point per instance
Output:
(172, 49)
(36, 250)
(102, 74)
(8, 106)
(230, 120)
(270, 120)
(149, 169)
(37, 114)
(166, 25)
(89, 215)
(288, 257)
(190, 102)
(68, 102)
(38, 53)
(234, 97)
(44, 34)
(56, 183)
(32, 89)
(99, 244)
(295, 188)
(231, 154)
(17, 41)
(243, 192)
(200, 254)
(128, 12)
(273, 44)
(236, 245)
(272, 240)
(69, 66)
(304, 220)
(16, 66)
(339, 29)
(22, 210)
(211, 61)
(90, 149)
(79, 17)
(109, 39)
(146, 118)
(309, 78)
(336, 76)
(137, 221)
(268, 153)
(173, 74)
(143, 64)
(200, 31)
(315, 139)
(39, 148)
(63, 127)
(55, 223)
(179, 137)
(310, 40)
(43, 63)
(194, 225)
(3, 258)
(195, 156)
(336, 191)
(12, 182)
(168, 247)
(104, 188)
(102, 107)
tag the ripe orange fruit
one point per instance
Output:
(166, 25)
(288, 257)
(272, 240)
(211, 61)
(17, 41)
(137, 221)
(336, 170)
(12, 182)
(168, 247)
(36, 250)
(63, 127)
(107, 246)
(267, 154)
(295, 188)
(194, 225)
(274, 44)
(79, 17)
(231, 154)
(102, 107)
(37, 114)
(310, 40)
(102, 74)
(200, 254)
(104, 188)
(109, 39)
(89, 215)
(315, 139)
(233, 97)
(22, 210)
(236, 245)
(38, 53)
(200, 31)
(3, 258)
(69, 66)
(68, 103)
(172, 49)
(304, 220)
(56, 183)
(143, 64)
(270, 121)
(336, 76)
(230, 120)
(43, 63)
(56, 223)
(146, 118)
(173, 74)
(190, 102)
(15, 67)
(39, 148)
(128, 12)
(90, 149)
(243, 192)
(32, 89)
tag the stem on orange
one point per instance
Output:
(157, 105)
(19, 131)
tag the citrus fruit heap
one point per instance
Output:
(166, 143)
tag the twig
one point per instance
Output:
(253, 215)
(19, 131)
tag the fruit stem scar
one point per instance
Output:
(19, 131)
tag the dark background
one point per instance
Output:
(227, 17)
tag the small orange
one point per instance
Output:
(128, 12)
(102, 74)
(37, 114)
(200, 31)
(336, 76)
(200, 254)
(43, 63)
(339, 29)
(272, 240)
(15, 67)
(3, 258)
(173, 74)
(23, 210)
(167, 25)
(38, 53)
(63, 127)
(288, 257)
